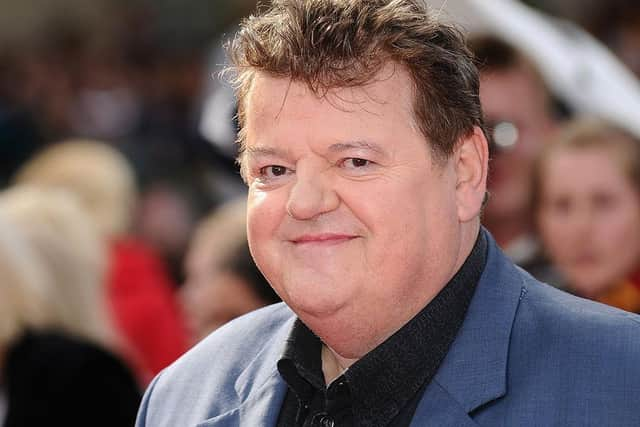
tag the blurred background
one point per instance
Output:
(134, 84)
(132, 74)
(139, 74)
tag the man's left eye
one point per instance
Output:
(355, 162)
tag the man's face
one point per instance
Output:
(514, 96)
(211, 295)
(349, 218)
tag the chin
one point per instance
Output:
(320, 296)
(590, 288)
(313, 307)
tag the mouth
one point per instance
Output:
(584, 260)
(322, 239)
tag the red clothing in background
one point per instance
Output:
(144, 308)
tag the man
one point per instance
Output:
(521, 116)
(363, 149)
(222, 280)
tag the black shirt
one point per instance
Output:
(384, 387)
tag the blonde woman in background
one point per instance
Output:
(49, 376)
(69, 248)
(95, 172)
(139, 291)
(22, 296)
(587, 203)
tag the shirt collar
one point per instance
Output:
(301, 363)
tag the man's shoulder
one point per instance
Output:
(249, 331)
(222, 370)
(554, 357)
(576, 361)
(568, 313)
(235, 345)
(576, 332)
(533, 322)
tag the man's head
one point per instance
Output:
(222, 280)
(330, 44)
(365, 159)
(519, 114)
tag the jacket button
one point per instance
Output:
(323, 420)
(326, 422)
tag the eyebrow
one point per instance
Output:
(262, 151)
(339, 147)
(350, 145)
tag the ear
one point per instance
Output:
(471, 164)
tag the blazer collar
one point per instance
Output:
(261, 386)
(261, 409)
(474, 372)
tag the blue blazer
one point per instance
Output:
(526, 355)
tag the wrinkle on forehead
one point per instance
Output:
(346, 99)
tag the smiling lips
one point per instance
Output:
(323, 239)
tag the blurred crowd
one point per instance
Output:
(122, 233)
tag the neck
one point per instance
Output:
(334, 365)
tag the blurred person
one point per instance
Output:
(617, 24)
(50, 373)
(141, 296)
(622, 32)
(106, 104)
(519, 113)
(19, 132)
(625, 40)
(165, 219)
(363, 148)
(68, 246)
(222, 280)
(588, 211)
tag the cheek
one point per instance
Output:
(264, 213)
(623, 224)
(620, 236)
(206, 298)
(556, 233)
(193, 293)
(390, 216)
(413, 228)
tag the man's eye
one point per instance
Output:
(355, 162)
(273, 171)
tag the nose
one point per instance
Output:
(311, 195)
(581, 222)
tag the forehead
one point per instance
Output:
(273, 101)
(576, 167)
(512, 92)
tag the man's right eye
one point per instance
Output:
(273, 171)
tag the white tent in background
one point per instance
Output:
(577, 67)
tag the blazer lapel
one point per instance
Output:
(260, 410)
(438, 409)
(474, 372)
(263, 387)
